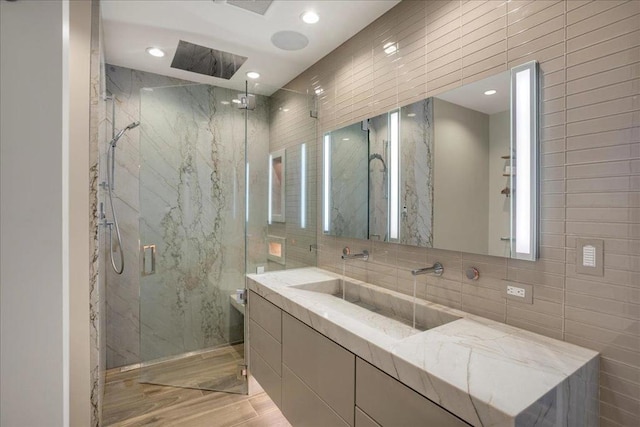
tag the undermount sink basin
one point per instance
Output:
(392, 305)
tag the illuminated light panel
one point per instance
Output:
(326, 181)
(394, 171)
(303, 186)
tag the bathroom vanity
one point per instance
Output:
(334, 352)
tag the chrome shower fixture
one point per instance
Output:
(115, 139)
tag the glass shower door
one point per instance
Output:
(192, 237)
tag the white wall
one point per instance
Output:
(461, 178)
(499, 204)
(37, 143)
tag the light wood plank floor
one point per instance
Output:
(127, 402)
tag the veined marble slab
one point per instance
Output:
(485, 372)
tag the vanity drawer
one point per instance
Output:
(392, 404)
(267, 346)
(302, 407)
(265, 314)
(267, 377)
(324, 366)
(364, 420)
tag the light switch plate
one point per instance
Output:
(590, 257)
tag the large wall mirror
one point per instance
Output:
(456, 171)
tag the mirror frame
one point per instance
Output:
(525, 146)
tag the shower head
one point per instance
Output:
(115, 139)
(133, 125)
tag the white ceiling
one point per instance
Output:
(130, 26)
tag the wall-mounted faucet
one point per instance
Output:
(437, 269)
(346, 254)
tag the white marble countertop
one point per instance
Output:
(487, 373)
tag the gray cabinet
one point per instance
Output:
(325, 367)
(364, 420)
(265, 347)
(303, 407)
(388, 402)
(316, 382)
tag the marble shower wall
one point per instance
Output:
(416, 174)
(193, 209)
(378, 177)
(349, 182)
(199, 185)
(97, 300)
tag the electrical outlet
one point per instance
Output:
(515, 291)
(519, 292)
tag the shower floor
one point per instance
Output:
(127, 402)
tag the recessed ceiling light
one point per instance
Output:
(411, 115)
(235, 101)
(225, 102)
(285, 109)
(345, 139)
(155, 51)
(390, 48)
(319, 91)
(253, 74)
(310, 17)
(490, 92)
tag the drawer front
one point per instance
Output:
(391, 403)
(265, 345)
(364, 420)
(324, 366)
(302, 407)
(265, 314)
(267, 377)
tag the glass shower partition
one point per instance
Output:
(193, 242)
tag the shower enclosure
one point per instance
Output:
(193, 215)
(190, 190)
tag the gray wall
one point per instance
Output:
(461, 178)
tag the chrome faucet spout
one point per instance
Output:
(346, 254)
(437, 269)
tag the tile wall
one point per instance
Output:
(589, 55)
(291, 125)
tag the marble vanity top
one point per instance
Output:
(485, 372)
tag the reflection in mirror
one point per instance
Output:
(277, 193)
(416, 182)
(471, 134)
(442, 172)
(345, 185)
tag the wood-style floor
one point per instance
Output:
(127, 402)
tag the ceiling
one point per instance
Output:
(131, 26)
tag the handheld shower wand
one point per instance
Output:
(111, 160)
